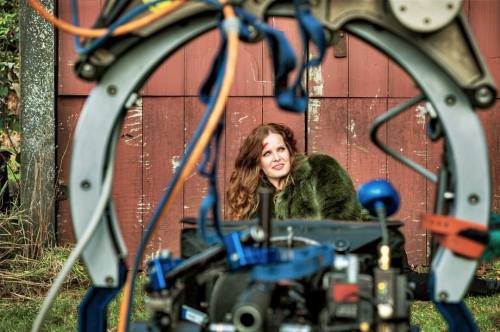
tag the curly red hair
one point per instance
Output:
(242, 195)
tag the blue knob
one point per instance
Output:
(377, 192)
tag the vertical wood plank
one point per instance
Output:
(367, 70)
(491, 124)
(330, 79)
(434, 160)
(365, 161)
(484, 18)
(168, 79)
(401, 85)
(68, 82)
(127, 194)
(163, 147)
(196, 186)
(242, 115)
(406, 135)
(290, 28)
(296, 121)
(199, 55)
(249, 76)
(327, 127)
(68, 111)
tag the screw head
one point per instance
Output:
(473, 199)
(85, 185)
(254, 33)
(109, 280)
(165, 254)
(165, 321)
(484, 96)
(451, 100)
(112, 90)
(88, 70)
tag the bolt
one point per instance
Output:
(165, 254)
(449, 5)
(427, 20)
(328, 35)
(402, 8)
(165, 321)
(257, 234)
(253, 32)
(110, 280)
(483, 96)
(88, 70)
(450, 100)
(443, 296)
(112, 90)
(449, 195)
(235, 257)
(473, 199)
(85, 185)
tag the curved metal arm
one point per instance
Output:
(462, 130)
(93, 133)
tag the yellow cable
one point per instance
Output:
(211, 125)
(95, 33)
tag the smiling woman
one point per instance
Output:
(306, 187)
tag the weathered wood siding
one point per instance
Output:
(346, 94)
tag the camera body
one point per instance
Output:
(313, 276)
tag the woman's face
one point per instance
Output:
(275, 159)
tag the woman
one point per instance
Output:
(308, 187)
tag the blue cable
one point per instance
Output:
(211, 201)
(166, 195)
(99, 41)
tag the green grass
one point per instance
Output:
(24, 282)
(485, 310)
(18, 315)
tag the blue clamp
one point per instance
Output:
(157, 268)
(273, 264)
(240, 256)
(295, 263)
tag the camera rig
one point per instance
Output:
(430, 40)
(285, 276)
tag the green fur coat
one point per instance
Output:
(318, 189)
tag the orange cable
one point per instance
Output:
(199, 147)
(94, 33)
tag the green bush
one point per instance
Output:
(9, 98)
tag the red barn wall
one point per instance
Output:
(346, 94)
